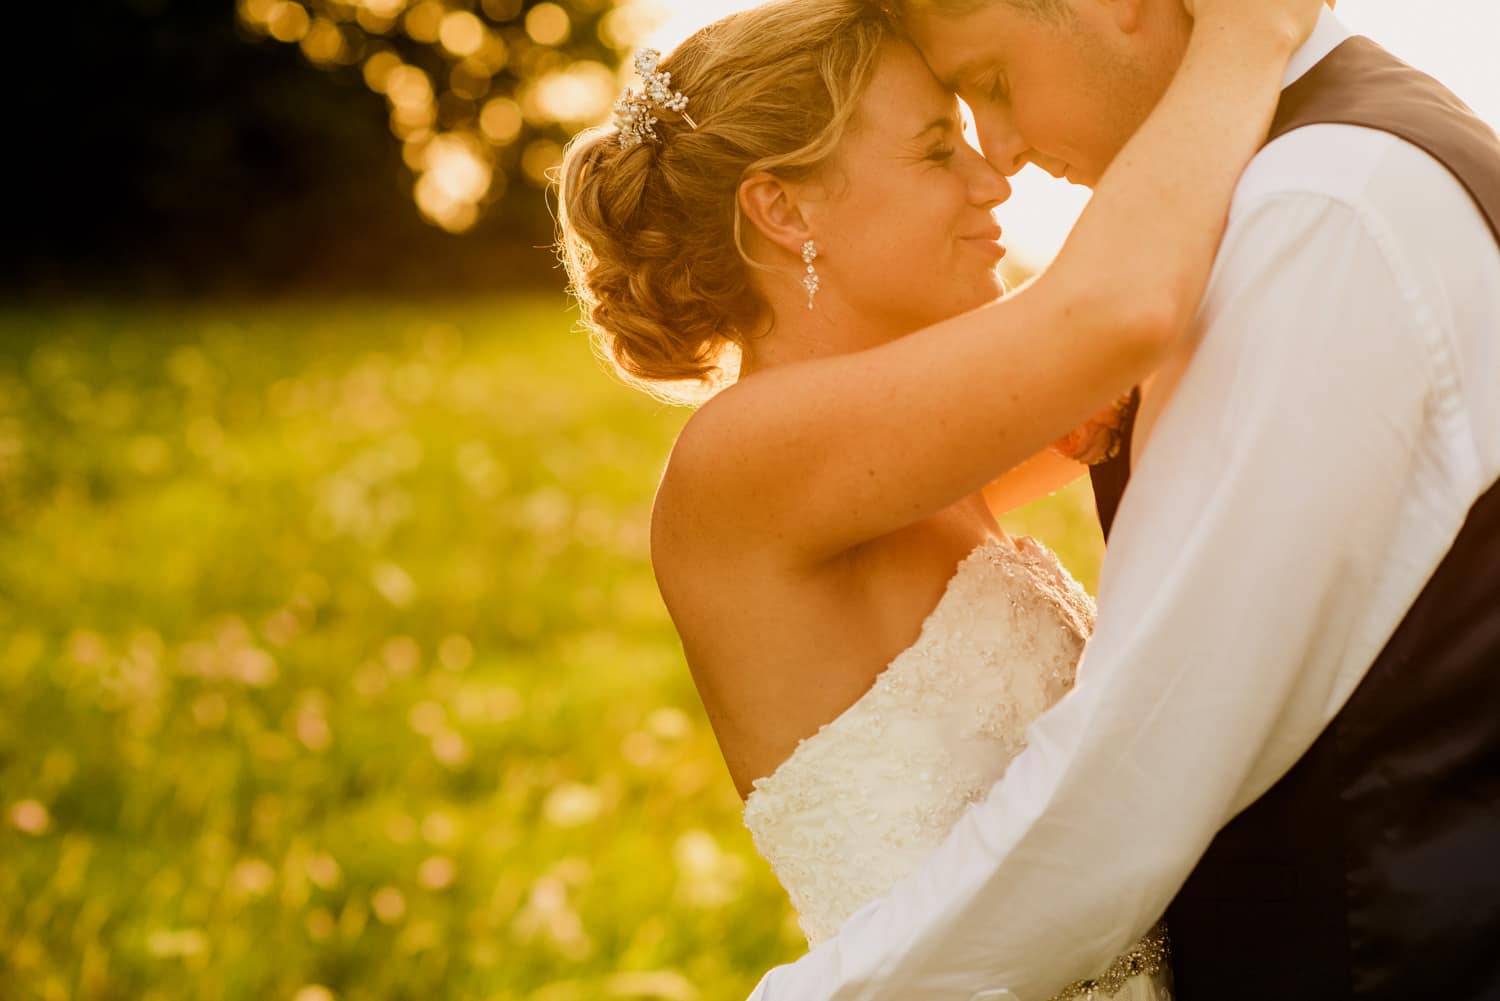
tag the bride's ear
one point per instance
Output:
(772, 207)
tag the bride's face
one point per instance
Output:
(907, 230)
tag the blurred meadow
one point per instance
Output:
(331, 666)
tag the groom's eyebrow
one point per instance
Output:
(953, 81)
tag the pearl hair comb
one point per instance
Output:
(636, 113)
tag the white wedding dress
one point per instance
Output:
(858, 804)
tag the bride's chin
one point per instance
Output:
(987, 288)
(972, 290)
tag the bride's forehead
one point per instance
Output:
(903, 84)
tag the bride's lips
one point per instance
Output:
(989, 241)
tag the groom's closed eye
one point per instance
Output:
(964, 78)
(995, 88)
(986, 82)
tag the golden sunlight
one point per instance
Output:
(1451, 39)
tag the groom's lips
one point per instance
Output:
(1048, 165)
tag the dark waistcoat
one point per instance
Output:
(1372, 869)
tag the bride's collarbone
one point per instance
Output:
(740, 606)
(839, 638)
(805, 649)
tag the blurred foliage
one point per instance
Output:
(479, 91)
(331, 667)
(164, 148)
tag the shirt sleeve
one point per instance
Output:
(1237, 610)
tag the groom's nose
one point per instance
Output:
(1000, 142)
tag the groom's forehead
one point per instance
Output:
(955, 49)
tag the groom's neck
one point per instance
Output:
(1157, 44)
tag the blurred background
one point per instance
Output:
(331, 663)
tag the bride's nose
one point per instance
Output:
(988, 187)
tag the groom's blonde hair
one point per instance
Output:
(1052, 10)
(651, 234)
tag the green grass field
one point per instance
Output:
(331, 667)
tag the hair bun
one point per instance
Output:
(650, 232)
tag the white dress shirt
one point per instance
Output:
(1338, 419)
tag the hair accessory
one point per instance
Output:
(635, 113)
(811, 281)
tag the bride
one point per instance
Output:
(789, 221)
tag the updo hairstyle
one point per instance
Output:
(652, 234)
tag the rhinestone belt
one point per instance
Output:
(1147, 958)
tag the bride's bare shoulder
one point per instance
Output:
(694, 494)
(717, 502)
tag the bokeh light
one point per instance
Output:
(287, 21)
(461, 33)
(540, 159)
(378, 69)
(424, 22)
(548, 24)
(456, 176)
(576, 95)
(324, 42)
(478, 95)
(501, 120)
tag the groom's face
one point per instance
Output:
(1063, 91)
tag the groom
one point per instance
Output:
(1286, 730)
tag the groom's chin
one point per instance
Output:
(1080, 177)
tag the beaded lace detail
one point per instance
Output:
(858, 804)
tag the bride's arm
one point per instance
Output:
(808, 460)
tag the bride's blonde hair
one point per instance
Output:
(651, 234)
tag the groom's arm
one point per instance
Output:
(1305, 479)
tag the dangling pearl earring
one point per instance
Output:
(810, 280)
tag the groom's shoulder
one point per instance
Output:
(1335, 160)
(1368, 170)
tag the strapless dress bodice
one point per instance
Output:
(858, 804)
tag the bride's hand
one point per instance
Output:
(1296, 18)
